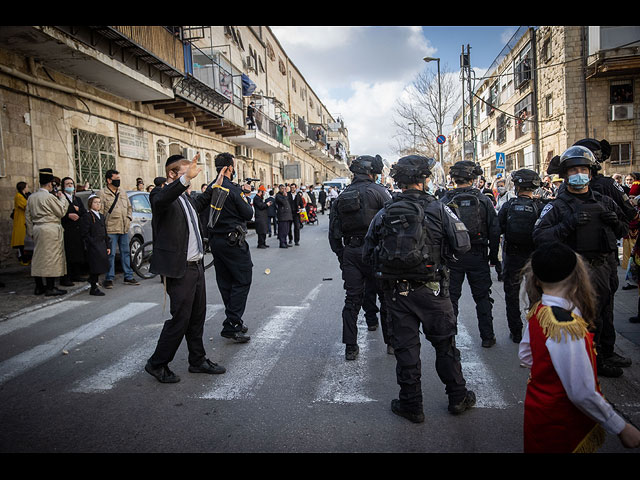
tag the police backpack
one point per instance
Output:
(351, 210)
(467, 207)
(405, 250)
(522, 215)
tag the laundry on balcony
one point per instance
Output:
(248, 87)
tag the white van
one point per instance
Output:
(340, 183)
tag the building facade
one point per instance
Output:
(548, 88)
(82, 100)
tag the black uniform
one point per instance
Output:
(485, 238)
(346, 238)
(576, 220)
(232, 258)
(517, 219)
(422, 300)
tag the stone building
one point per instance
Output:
(85, 99)
(549, 87)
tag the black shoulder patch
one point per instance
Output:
(561, 314)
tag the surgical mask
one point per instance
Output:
(501, 190)
(69, 189)
(578, 179)
(115, 183)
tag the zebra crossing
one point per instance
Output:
(249, 367)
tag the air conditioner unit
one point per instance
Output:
(251, 63)
(621, 112)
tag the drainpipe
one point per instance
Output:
(584, 81)
(536, 125)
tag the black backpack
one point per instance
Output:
(352, 212)
(405, 249)
(522, 214)
(467, 207)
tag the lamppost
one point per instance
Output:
(431, 59)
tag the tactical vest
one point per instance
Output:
(469, 209)
(406, 250)
(353, 210)
(522, 214)
(594, 238)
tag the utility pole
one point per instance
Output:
(465, 65)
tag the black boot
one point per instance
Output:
(636, 319)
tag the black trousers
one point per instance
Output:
(361, 290)
(512, 278)
(262, 238)
(295, 225)
(283, 231)
(608, 338)
(188, 307)
(422, 308)
(272, 222)
(233, 274)
(475, 265)
(604, 336)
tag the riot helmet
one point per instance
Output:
(526, 179)
(600, 149)
(412, 169)
(575, 156)
(367, 164)
(465, 169)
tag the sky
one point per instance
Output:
(359, 72)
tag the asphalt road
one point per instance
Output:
(72, 374)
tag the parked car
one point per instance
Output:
(140, 227)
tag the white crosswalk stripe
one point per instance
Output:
(252, 364)
(345, 381)
(131, 363)
(27, 319)
(22, 362)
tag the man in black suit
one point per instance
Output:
(177, 255)
(295, 200)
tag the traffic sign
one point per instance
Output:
(441, 139)
(500, 160)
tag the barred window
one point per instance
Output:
(93, 154)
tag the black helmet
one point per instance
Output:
(367, 164)
(525, 178)
(600, 149)
(412, 169)
(465, 169)
(575, 156)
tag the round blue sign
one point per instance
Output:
(441, 139)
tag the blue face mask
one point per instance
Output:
(69, 189)
(578, 179)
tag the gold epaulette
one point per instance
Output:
(574, 325)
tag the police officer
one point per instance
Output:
(231, 255)
(589, 223)
(517, 218)
(349, 220)
(409, 243)
(479, 216)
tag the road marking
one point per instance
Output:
(345, 381)
(251, 366)
(30, 318)
(130, 364)
(477, 374)
(31, 358)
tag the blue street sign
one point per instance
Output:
(500, 160)
(441, 139)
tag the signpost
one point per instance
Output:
(500, 160)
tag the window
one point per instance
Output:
(140, 203)
(548, 105)
(161, 158)
(546, 49)
(621, 91)
(270, 53)
(620, 154)
(501, 129)
(94, 154)
(522, 67)
(523, 112)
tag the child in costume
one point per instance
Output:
(564, 409)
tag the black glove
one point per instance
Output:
(610, 218)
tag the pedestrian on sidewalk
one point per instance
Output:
(117, 211)
(564, 409)
(177, 255)
(322, 199)
(43, 215)
(285, 215)
(96, 242)
(260, 208)
(73, 244)
(272, 213)
(19, 223)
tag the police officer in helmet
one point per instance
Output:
(517, 219)
(410, 243)
(478, 214)
(589, 223)
(349, 221)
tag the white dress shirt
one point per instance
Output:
(193, 251)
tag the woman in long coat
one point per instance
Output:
(19, 221)
(73, 246)
(96, 242)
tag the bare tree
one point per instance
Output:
(417, 117)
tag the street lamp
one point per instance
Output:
(431, 59)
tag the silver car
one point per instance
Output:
(140, 228)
